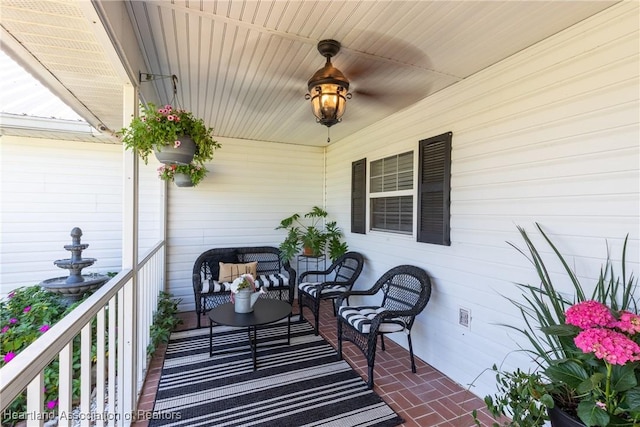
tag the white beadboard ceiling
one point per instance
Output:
(243, 65)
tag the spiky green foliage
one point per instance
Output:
(588, 387)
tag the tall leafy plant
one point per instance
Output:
(311, 235)
(570, 339)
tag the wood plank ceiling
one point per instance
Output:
(243, 65)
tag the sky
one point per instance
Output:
(23, 94)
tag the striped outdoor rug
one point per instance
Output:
(303, 384)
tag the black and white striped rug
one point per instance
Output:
(303, 384)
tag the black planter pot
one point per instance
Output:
(559, 418)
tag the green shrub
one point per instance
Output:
(164, 321)
(25, 314)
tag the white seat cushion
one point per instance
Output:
(213, 286)
(360, 318)
(311, 288)
(266, 280)
(272, 280)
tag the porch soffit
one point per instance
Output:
(243, 65)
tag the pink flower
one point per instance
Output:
(171, 117)
(52, 404)
(44, 328)
(611, 346)
(176, 143)
(629, 322)
(5, 329)
(162, 111)
(13, 320)
(11, 295)
(27, 309)
(168, 107)
(589, 314)
(7, 357)
(144, 119)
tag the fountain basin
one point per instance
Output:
(72, 292)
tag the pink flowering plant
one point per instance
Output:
(600, 378)
(157, 128)
(586, 349)
(26, 314)
(196, 172)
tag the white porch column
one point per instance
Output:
(128, 394)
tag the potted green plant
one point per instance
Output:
(311, 236)
(586, 350)
(169, 130)
(183, 175)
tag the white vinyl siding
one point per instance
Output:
(51, 186)
(251, 187)
(48, 188)
(550, 135)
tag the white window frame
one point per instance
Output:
(397, 193)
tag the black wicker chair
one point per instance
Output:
(337, 279)
(277, 277)
(406, 292)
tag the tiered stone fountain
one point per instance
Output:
(72, 288)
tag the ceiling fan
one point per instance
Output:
(328, 88)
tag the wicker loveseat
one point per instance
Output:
(277, 277)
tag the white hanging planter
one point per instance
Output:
(182, 154)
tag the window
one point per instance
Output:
(391, 194)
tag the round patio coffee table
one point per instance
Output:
(265, 311)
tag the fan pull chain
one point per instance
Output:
(328, 136)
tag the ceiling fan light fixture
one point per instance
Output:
(328, 88)
(328, 102)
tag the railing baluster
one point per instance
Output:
(130, 345)
(100, 367)
(35, 401)
(85, 375)
(113, 314)
(65, 386)
(121, 379)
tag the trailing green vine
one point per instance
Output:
(164, 321)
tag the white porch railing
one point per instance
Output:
(121, 312)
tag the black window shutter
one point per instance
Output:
(434, 189)
(358, 196)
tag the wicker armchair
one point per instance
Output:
(337, 279)
(277, 277)
(406, 290)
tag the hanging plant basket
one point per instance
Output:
(174, 135)
(183, 175)
(180, 152)
(182, 180)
